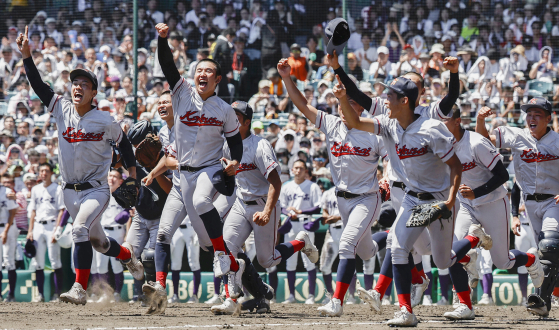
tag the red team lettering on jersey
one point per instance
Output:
(529, 156)
(404, 152)
(341, 150)
(246, 167)
(468, 166)
(189, 119)
(80, 136)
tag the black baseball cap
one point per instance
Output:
(405, 87)
(537, 102)
(338, 33)
(85, 73)
(244, 108)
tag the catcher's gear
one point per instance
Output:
(424, 214)
(139, 131)
(126, 194)
(148, 152)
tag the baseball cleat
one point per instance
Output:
(10, 299)
(485, 240)
(259, 306)
(371, 297)
(333, 309)
(403, 318)
(222, 263)
(554, 301)
(310, 300)
(289, 300)
(455, 299)
(310, 249)
(76, 295)
(417, 291)
(173, 300)
(39, 298)
(537, 306)
(471, 267)
(350, 300)
(216, 299)
(427, 301)
(134, 265)
(229, 307)
(116, 298)
(486, 300)
(473, 282)
(235, 281)
(462, 312)
(327, 298)
(386, 301)
(523, 302)
(55, 298)
(193, 300)
(536, 270)
(442, 302)
(156, 296)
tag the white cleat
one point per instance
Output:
(524, 303)
(229, 307)
(333, 308)
(417, 292)
(156, 296)
(173, 300)
(216, 299)
(462, 312)
(536, 270)
(485, 241)
(289, 300)
(442, 302)
(55, 298)
(193, 300)
(403, 318)
(350, 300)
(486, 300)
(235, 280)
(38, 299)
(386, 301)
(554, 301)
(222, 264)
(76, 295)
(327, 298)
(371, 297)
(134, 265)
(310, 300)
(470, 267)
(427, 301)
(310, 249)
(116, 297)
(455, 299)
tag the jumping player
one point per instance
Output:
(535, 152)
(47, 207)
(85, 136)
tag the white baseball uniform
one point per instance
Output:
(47, 203)
(185, 237)
(114, 230)
(8, 250)
(331, 245)
(526, 240)
(305, 196)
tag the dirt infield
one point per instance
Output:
(296, 316)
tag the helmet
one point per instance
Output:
(30, 249)
(65, 239)
(138, 132)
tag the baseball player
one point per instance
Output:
(257, 210)
(8, 235)
(358, 194)
(46, 206)
(114, 221)
(85, 135)
(421, 146)
(483, 202)
(535, 151)
(202, 120)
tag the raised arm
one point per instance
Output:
(352, 90)
(295, 94)
(446, 104)
(480, 124)
(455, 179)
(166, 56)
(350, 115)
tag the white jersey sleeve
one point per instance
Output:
(506, 136)
(316, 194)
(442, 142)
(377, 107)
(324, 122)
(266, 158)
(487, 154)
(116, 132)
(58, 104)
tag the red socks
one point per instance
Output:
(297, 245)
(219, 245)
(465, 260)
(234, 265)
(341, 289)
(417, 276)
(124, 254)
(556, 292)
(82, 277)
(161, 277)
(474, 241)
(464, 298)
(405, 300)
(382, 284)
(531, 260)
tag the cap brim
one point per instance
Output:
(525, 107)
(339, 49)
(390, 87)
(81, 72)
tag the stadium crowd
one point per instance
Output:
(507, 50)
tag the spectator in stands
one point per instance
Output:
(394, 41)
(544, 67)
(382, 68)
(309, 95)
(222, 54)
(299, 66)
(313, 53)
(259, 100)
(8, 62)
(272, 34)
(366, 54)
(272, 109)
(353, 67)
(531, 52)
(276, 84)
(7, 139)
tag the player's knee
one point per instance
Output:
(347, 250)
(442, 262)
(325, 269)
(80, 233)
(202, 204)
(100, 244)
(266, 261)
(400, 256)
(164, 237)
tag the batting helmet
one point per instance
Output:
(138, 132)
(30, 249)
(65, 239)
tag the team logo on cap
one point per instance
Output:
(235, 104)
(533, 101)
(72, 136)
(404, 152)
(529, 156)
(394, 82)
(190, 119)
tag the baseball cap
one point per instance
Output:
(243, 108)
(383, 50)
(295, 46)
(404, 86)
(85, 73)
(273, 122)
(258, 124)
(537, 102)
(50, 20)
(29, 177)
(7, 133)
(338, 34)
(104, 104)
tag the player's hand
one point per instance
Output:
(484, 113)
(162, 29)
(284, 68)
(23, 44)
(333, 60)
(30, 236)
(556, 199)
(148, 179)
(261, 218)
(231, 168)
(4, 237)
(339, 89)
(11, 195)
(451, 63)
(53, 240)
(331, 220)
(515, 226)
(466, 192)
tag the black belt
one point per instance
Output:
(422, 196)
(191, 169)
(337, 226)
(113, 227)
(45, 222)
(539, 197)
(525, 223)
(2, 225)
(78, 186)
(250, 202)
(303, 219)
(183, 226)
(399, 184)
(346, 195)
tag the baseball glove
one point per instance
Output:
(424, 214)
(126, 194)
(148, 151)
